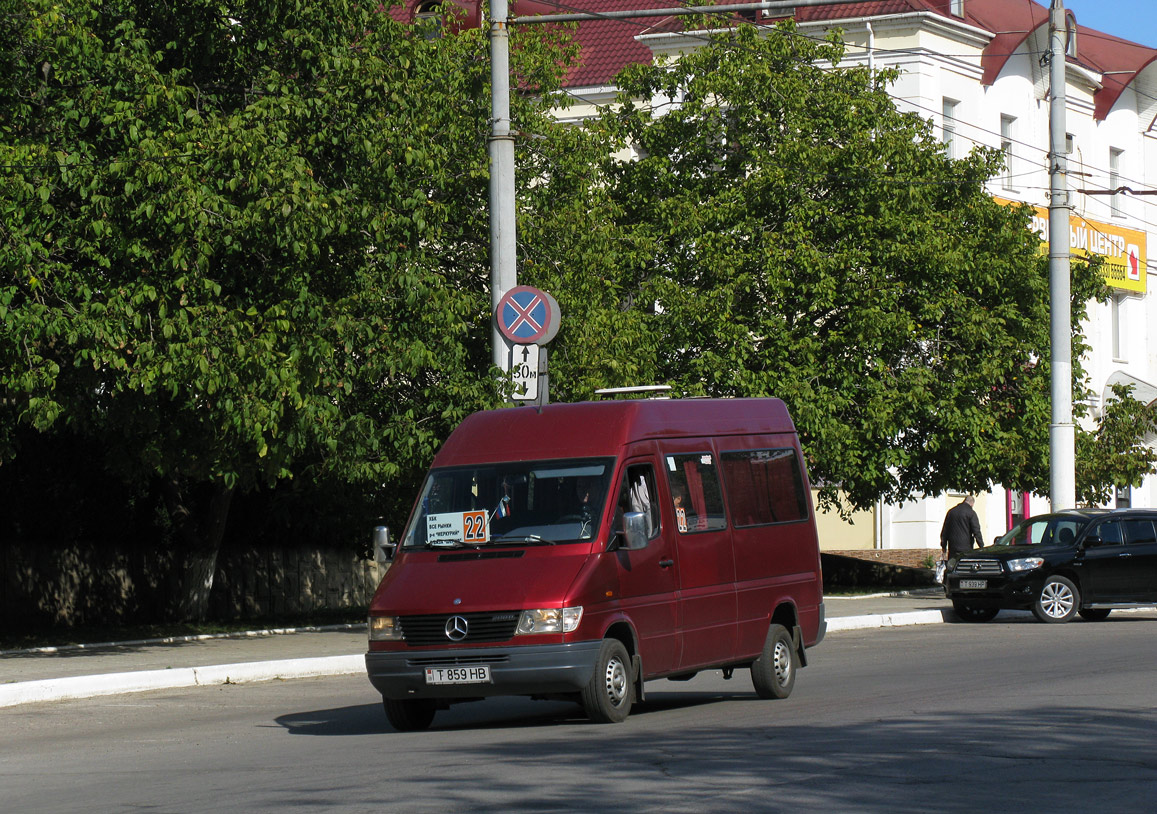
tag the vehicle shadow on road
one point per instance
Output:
(489, 714)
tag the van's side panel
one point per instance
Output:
(706, 574)
(776, 563)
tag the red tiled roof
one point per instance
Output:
(607, 46)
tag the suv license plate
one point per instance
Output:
(973, 583)
(477, 674)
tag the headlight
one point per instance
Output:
(385, 629)
(1025, 563)
(549, 620)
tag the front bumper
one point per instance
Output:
(543, 669)
(1015, 591)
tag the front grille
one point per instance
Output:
(969, 566)
(456, 661)
(430, 629)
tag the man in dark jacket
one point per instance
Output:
(961, 527)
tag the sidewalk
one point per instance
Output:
(57, 674)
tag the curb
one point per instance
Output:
(92, 686)
(76, 687)
(928, 617)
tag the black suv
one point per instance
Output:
(1084, 561)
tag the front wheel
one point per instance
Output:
(773, 673)
(1058, 600)
(608, 697)
(410, 716)
(972, 613)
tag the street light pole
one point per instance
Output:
(1062, 434)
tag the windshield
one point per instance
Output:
(1051, 529)
(527, 502)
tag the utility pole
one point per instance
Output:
(1062, 434)
(503, 271)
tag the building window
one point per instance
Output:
(430, 13)
(948, 127)
(1115, 207)
(1124, 497)
(957, 7)
(1007, 124)
(1117, 306)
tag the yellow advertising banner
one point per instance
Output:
(1123, 249)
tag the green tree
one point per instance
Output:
(1110, 457)
(809, 241)
(245, 241)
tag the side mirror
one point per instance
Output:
(383, 547)
(635, 531)
(1091, 541)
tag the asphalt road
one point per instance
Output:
(1008, 716)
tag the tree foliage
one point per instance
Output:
(247, 241)
(1110, 457)
(809, 241)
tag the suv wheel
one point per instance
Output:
(1058, 600)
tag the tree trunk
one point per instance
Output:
(199, 514)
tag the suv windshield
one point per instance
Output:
(526, 502)
(1050, 529)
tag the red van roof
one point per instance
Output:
(593, 429)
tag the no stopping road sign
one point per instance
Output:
(525, 315)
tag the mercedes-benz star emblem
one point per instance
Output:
(456, 628)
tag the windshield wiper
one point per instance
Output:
(528, 539)
(450, 544)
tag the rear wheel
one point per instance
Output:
(1095, 614)
(1058, 600)
(608, 697)
(773, 673)
(972, 613)
(410, 716)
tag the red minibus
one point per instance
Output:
(578, 550)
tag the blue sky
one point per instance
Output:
(1134, 20)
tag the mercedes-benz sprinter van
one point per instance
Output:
(579, 550)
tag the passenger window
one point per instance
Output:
(695, 492)
(637, 494)
(1139, 532)
(764, 486)
(1110, 533)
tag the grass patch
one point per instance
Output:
(96, 634)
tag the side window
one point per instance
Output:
(1110, 533)
(1138, 532)
(637, 494)
(764, 486)
(695, 492)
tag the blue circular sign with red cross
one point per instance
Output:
(526, 315)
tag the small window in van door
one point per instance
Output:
(764, 486)
(695, 492)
